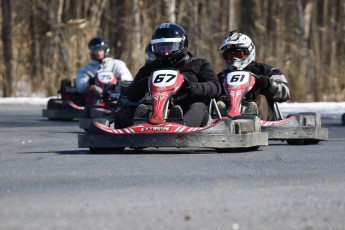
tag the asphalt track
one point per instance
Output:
(46, 182)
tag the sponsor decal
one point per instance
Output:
(154, 128)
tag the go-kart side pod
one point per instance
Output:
(296, 129)
(58, 109)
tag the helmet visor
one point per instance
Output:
(231, 54)
(166, 46)
(97, 47)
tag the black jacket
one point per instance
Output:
(205, 84)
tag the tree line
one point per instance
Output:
(45, 41)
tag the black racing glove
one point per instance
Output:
(262, 82)
(187, 86)
(91, 80)
(185, 90)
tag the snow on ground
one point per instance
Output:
(24, 101)
(331, 110)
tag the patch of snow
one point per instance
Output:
(331, 110)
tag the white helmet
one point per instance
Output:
(238, 50)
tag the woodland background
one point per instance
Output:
(44, 41)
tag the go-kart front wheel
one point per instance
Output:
(238, 150)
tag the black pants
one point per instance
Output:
(196, 115)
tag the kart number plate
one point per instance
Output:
(106, 77)
(237, 77)
(163, 78)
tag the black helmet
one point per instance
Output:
(169, 42)
(98, 43)
(149, 56)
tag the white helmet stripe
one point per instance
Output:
(166, 40)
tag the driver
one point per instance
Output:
(238, 51)
(100, 62)
(169, 44)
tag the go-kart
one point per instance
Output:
(160, 130)
(109, 104)
(67, 106)
(295, 129)
(70, 104)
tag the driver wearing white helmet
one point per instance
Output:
(271, 86)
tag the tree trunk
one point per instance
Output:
(7, 47)
(305, 62)
(170, 8)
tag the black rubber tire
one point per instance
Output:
(302, 142)
(238, 150)
(106, 150)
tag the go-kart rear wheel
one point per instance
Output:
(106, 150)
(302, 142)
(237, 150)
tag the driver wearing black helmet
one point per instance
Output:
(170, 47)
(100, 62)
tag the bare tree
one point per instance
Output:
(169, 12)
(7, 47)
(304, 22)
(304, 38)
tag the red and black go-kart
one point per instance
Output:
(109, 104)
(295, 129)
(158, 130)
(70, 104)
